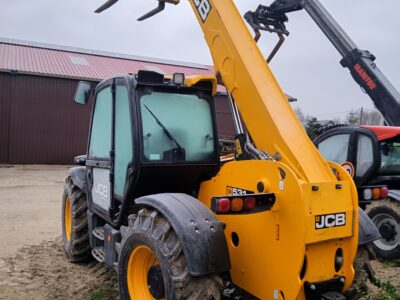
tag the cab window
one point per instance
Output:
(390, 157)
(123, 139)
(100, 139)
(335, 148)
(176, 127)
(365, 155)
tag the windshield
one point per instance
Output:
(176, 127)
(390, 157)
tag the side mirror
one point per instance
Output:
(385, 148)
(82, 92)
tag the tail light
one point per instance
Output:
(376, 193)
(373, 192)
(237, 204)
(384, 192)
(250, 203)
(223, 205)
(242, 204)
(367, 193)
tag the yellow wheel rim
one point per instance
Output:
(139, 263)
(67, 219)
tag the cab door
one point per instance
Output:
(110, 153)
(99, 157)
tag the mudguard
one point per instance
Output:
(394, 195)
(78, 176)
(201, 234)
(367, 229)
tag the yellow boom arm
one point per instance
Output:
(261, 102)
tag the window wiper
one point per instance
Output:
(167, 133)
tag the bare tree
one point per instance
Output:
(353, 117)
(364, 116)
(371, 117)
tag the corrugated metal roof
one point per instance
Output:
(61, 61)
(58, 61)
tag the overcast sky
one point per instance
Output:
(307, 66)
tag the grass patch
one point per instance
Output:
(389, 291)
(103, 293)
(389, 264)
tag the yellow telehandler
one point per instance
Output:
(152, 200)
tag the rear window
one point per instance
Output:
(390, 157)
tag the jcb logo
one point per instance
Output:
(203, 7)
(101, 189)
(329, 221)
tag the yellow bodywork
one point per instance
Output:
(192, 80)
(272, 244)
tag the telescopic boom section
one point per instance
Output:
(361, 63)
(264, 108)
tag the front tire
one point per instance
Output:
(152, 264)
(75, 230)
(386, 217)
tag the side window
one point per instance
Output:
(123, 139)
(365, 155)
(335, 148)
(100, 139)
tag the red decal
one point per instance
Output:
(364, 76)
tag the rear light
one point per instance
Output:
(250, 203)
(384, 192)
(376, 193)
(223, 205)
(237, 204)
(367, 193)
(242, 204)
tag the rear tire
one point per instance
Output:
(152, 235)
(75, 230)
(386, 217)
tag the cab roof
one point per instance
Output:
(383, 132)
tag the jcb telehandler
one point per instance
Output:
(153, 201)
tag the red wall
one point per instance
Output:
(42, 125)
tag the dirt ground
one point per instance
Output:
(32, 262)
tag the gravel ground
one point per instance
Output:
(32, 262)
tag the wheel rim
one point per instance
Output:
(384, 220)
(140, 261)
(67, 219)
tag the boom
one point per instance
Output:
(261, 102)
(359, 62)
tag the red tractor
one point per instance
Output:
(372, 154)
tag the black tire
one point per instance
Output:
(386, 217)
(76, 247)
(149, 228)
